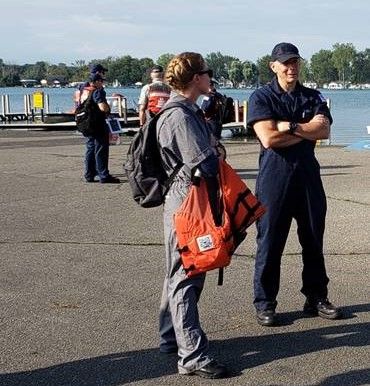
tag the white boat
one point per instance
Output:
(335, 86)
(116, 84)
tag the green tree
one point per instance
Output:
(215, 60)
(250, 73)
(10, 75)
(120, 69)
(35, 71)
(236, 72)
(79, 63)
(264, 72)
(361, 67)
(220, 64)
(343, 62)
(164, 59)
(79, 71)
(10, 80)
(2, 68)
(322, 67)
(145, 65)
(60, 70)
(304, 73)
(344, 55)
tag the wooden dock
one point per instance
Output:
(131, 124)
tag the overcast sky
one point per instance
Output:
(64, 31)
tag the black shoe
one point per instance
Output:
(110, 180)
(211, 370)
(266, 317)
(322, 308)
(91, 179)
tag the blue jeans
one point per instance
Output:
(96, 157)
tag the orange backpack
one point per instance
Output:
(203, 245)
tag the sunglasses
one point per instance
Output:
(209, 72)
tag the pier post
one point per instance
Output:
(29, 108)
(329, 106)
(3, 104)
(6, 104)
(47, 103)
(119, 105)
(236, 110)
(245, 114)
(26, 104)
(123, 105)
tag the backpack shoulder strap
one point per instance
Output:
(179, 165)
(90, 91)
(172, 105)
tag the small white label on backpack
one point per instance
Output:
(205, 243)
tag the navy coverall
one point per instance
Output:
(289, 185)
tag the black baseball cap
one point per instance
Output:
(95, 77)
(97, 68)
(157, 68)
(285, 51)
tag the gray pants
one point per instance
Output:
(179, 319)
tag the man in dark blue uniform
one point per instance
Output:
(95, 69)
(97, 145)
(213, 106)
(218, 109)
(288, 118)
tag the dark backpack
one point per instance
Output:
(229, 110)
(219, 108)
(146, 175)
(89, 119)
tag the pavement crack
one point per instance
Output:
(348, 200)
(158, 244)
(354, 253)
(119, 243)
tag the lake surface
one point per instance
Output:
(350, 108)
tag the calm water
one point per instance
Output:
(350, 108)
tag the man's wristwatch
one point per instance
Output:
(293, 126)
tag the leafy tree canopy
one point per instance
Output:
(343, 63)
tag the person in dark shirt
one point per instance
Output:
(95, 69)
(213, 106)
(97, 146)
(287, 119)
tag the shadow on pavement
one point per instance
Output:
(352, 378)
(238, 353)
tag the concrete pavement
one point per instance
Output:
(82, 267)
